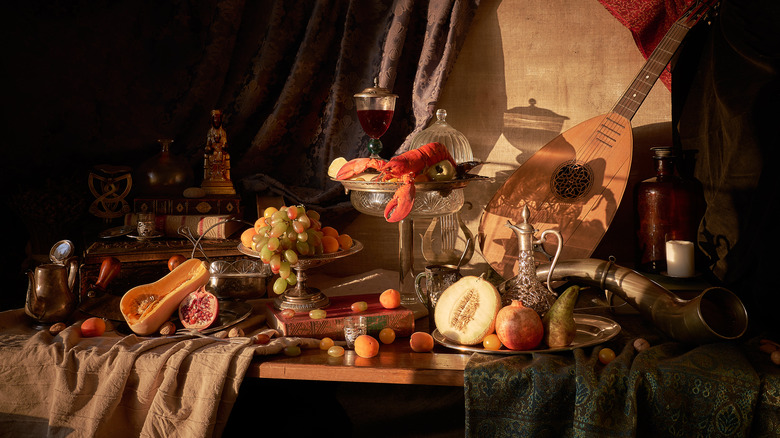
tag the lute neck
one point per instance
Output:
(632, 99)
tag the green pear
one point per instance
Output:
(559, 327)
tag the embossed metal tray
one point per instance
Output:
(591, 330)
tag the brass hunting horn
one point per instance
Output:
(716, 314)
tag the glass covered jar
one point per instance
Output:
(440, 131)
(442, 242)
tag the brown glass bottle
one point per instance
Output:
(668, 208)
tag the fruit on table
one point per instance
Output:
(168, 329)
(246, 237)
(92, 327)
(441, 171)
(606, 355)
(359, 306)
(336, 351)
(387, 335)
(199, 309)
(390, 299)
(366, 346)
(335, 166)
(326, 343)
(175, 261)
(466, 310)
(146, 307)
(421, 342)
(519, 327)
(236, 332)
(330, 244)
(491, 342)
(292, 350)
(558, 322)
(345, 241)
(317, 314)
(283, 234)
(109, 270)
(56, 328)
(641, 344)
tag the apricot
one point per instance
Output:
(246, 237)
(329, 231)
(366, 346)
(259, 223)
(345, 241)
(390, 299)
(329, 244)
(92, 327)
(421, 342)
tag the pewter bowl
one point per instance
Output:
(240, 280)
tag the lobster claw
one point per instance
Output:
(359, 165)
(401, 203)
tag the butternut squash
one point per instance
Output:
(148, 306)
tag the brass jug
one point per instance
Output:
(50, 294)
(526, 288)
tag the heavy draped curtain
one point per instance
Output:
(299, 97)
(98, 83)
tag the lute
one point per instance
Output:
(575, 183)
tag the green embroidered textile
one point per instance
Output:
(728, 389)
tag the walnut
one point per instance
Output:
(235, 332)
(56, 328)
(168, 329)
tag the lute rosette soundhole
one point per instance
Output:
(571, 180)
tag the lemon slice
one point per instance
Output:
(335, 166)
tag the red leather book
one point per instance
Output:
(401, 319)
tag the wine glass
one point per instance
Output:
(375, 109)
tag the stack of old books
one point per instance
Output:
(207, 217)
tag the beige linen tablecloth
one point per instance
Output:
(114, 385)
(119, 385)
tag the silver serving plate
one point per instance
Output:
(591, 330)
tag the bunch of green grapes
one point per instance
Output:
(284, 234)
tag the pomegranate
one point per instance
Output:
(519, 327)
(199, 309)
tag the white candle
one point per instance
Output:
(679, 258)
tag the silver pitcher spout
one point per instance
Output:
(717, 314)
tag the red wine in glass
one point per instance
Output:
(375, 122)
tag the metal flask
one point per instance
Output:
(525, 287)
(50, 292)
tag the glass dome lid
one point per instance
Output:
(440, 131)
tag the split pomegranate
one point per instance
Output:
(198, 310)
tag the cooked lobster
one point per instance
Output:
(405, 167)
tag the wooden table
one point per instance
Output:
(395, 363)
